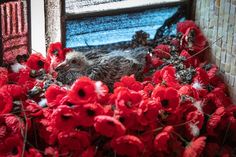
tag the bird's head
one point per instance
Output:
(74, 61)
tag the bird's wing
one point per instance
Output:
(112, 69)
(68, 77)
(95, 55)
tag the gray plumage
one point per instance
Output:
(107, 67)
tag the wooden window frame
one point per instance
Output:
(55, 11)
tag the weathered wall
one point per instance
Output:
(14, 30)
(53, 21)
(217, 18)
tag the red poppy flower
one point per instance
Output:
(36, 61)
(5, 102)
(55, 50)
(32, 152)
(188, 90)
(196, 120)
(16, 91)
(125, 99)
(227, 151)
(189, 61)
(162, 51)
(193, 39)
(212, 72)
(63, 118)
(212, 149)
(175, 42)
(73, 142)
(166, 76)
(90, 152)
(201, 76)
(210, 105)
(220, 97)
(168, 97)
(218, 82)
(156, 62)
(187, 106)
(11, 146)
(10, 125)
(195, 147)
(3, 76)
(215, 120)
(150, 109)
(231, 117)
(148, 59)
(162, 139)
(132, 119)
(215, 99)
(32, 108)
(87, 112)
(51, 152)
(148, 90)
(83, 91)
(102, 91)
(109, 126)
(56, 54)
(169, 117)
(200, 82)
(67, 102)
(183, 26)
(24, 79)
(147, 138)
(151, 62)
(46, 127)
(54, 94)
(129, 82)
(128, 145)
(13, 77)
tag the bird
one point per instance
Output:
(100, 65)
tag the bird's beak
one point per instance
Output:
(62, 66)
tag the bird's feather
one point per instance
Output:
(107, 67)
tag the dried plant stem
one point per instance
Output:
(204, 48)
(226, 133)
(35, 50)
(157, 129)
(181, 138)
(181, 124)
(164, 52)
(26, 130)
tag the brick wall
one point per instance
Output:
(217, 18)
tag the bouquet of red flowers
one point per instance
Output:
(182, 108)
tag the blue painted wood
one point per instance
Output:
(116, 28)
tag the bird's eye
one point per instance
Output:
(73, 61)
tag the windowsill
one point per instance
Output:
(73, 9)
